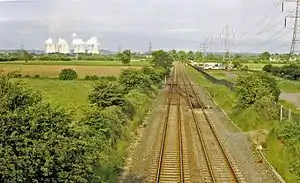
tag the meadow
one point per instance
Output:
(76, 62)
(52, 71)
(259, 66)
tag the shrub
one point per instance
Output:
(37, 142)
(37, 76)
(93, 77)
(67, 74)
(254, 87)
(136, 79)
(106, 94)
(27, 76)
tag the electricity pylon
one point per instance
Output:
(295, 45)
(227, 36)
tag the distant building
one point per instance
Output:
(62, 46)
(93, 45)
(50, 46)
(78, 45)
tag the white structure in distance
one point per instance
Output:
(62, 46)
(50, 46)
(78, 45)
(93, 45)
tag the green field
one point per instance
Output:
(79, 63)
(260, 66)
(72, 95)
(52, 71)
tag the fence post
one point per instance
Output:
(281, 112)
(290, 115)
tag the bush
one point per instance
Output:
(37, 142)
(253, 87)
(67, 74)
(136, 79)
(27, 76)
(267, 68)
(93, 77)
(106, 94)
(37, 76)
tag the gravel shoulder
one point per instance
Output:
(236, 142)
(140, 156)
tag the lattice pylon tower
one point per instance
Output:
(295, 45)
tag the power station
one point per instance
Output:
(90, 46)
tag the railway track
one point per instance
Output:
(170, 162)
(219, 167)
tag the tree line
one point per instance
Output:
(291, 71)
(39, 143)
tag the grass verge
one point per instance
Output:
(248, 120)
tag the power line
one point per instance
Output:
(258, 23)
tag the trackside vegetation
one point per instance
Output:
(42, 143)
(252, 107)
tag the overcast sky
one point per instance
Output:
(258, 25)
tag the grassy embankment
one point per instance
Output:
(286, 86)
(249, 120)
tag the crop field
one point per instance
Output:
(67, 94)
(52, 71)
(79, 62)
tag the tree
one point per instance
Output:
(264, 56)
(106, 93)
(237, 57)
(198, 56)
(267, 68)
(27, 56)
(182, 56)
(173, 55)
(256, 87)
(37, 142)
(67, 74)
(136, 79)
(162, 59)
(126, 57)
(237, 64)
(155, 74)
(190, 55)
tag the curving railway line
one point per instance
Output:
(171, 154)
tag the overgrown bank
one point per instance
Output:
(281, 146)
(40, 143)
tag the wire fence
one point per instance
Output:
(285, 114)
(214, 80)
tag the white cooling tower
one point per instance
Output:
(93, 45)
(50, 46)
(78, 45)
(62, 46)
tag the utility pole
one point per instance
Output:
(295, 46)
(227, 35)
